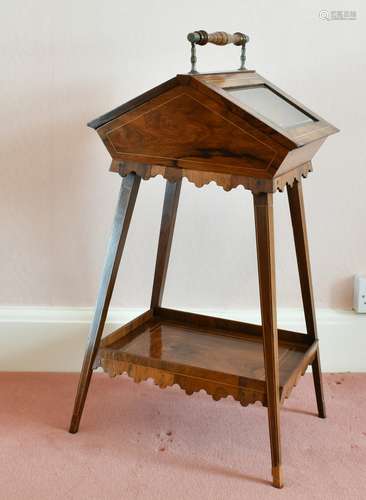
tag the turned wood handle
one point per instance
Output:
(201, 37)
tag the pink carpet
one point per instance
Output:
(139, 442)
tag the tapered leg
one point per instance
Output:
(122, 218)
(171, 199)
(297, 210)
(263, 210)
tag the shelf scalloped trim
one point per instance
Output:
(188, 384)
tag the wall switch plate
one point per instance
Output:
(359, 294)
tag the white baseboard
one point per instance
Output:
(53, 338)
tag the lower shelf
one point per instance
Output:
(197, 352)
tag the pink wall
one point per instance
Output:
(67, 62)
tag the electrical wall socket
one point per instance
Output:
(359, 294)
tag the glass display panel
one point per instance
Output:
(271, 106)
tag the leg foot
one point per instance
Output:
(74, 425)
(318, 385)
(277, 476)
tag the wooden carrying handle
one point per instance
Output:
(201, 37)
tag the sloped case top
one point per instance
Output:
(182, 127)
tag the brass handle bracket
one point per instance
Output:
(201, 37)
